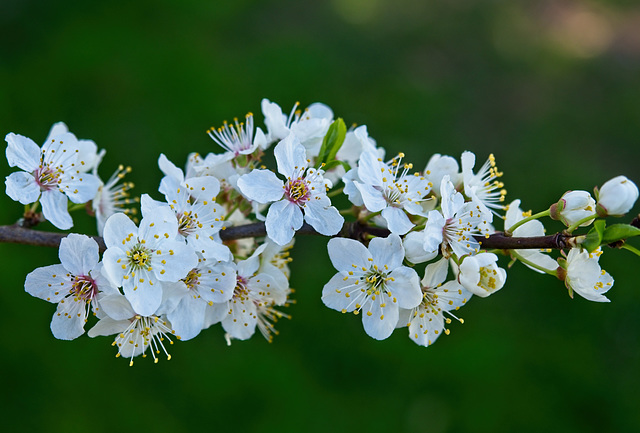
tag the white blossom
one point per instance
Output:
(309, 125)
(371, 281)
(52, 174)
(390, 189)
(238, 138)
(574, 206)
(440, 166)
(208, 283)
(450, 230)
(135, 332)
(139, 259)
(252, 305)
(585, 277)
(616, 197)
(427, 321)
(76, 285)
(483, 186)
(481, 275)
(302, 195)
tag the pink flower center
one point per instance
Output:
(47, 178)
(297, 191)
(84, 287)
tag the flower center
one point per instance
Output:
(139, 257)
(488, 278)
(297, 191)
(192, 279)
(47, 178)
(185, 223)
(241, 291)
(375, 281)
(83, 288)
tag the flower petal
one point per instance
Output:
(325, 219)
(50, 283)
(22, 187)
(283, 219)
(349, 255)
(68, 320)
(379, 317)
(54, 209)
(22, 152)
(262, 186)
(78, 253)
(291, 156)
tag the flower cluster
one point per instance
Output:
(410, 247)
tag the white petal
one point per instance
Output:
(22, 187)
(435, 273)
(170, 169)
(120, 231)
(262, 186)
(283, 219)
(405, 287)
(203, 188)
(348, 255)
(414, 248)
(179, 258)
(397, 220)
(342, 294)
(50, 283)
(22, 152)
(382, 320)
(187, 318)
(426, 329)
(290, 156)
(54, 209)
(117, 307)
(108, 326)
(58, 128)
(242, 319)
(372, 197)
(82, 188)
(387, 252)
(326, 220)
(144, 292)
(68, 320)
(370, 169)
(113, 260)
(78, 253)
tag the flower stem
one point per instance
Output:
(335, 192)
(533, 265)
(574, 226)
(510, 230)
(368, 217)
(634, 250)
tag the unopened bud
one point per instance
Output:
(616, 197)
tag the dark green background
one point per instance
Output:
(552, 89)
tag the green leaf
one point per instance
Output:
(618, 232)
(335, 163)
(594, 237)
(332, 142)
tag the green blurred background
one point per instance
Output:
(552, 88)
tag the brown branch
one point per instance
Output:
(353, 230)
(20, 235)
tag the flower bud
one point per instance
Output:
(481, 275)
(572, 207)
(616, 197)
